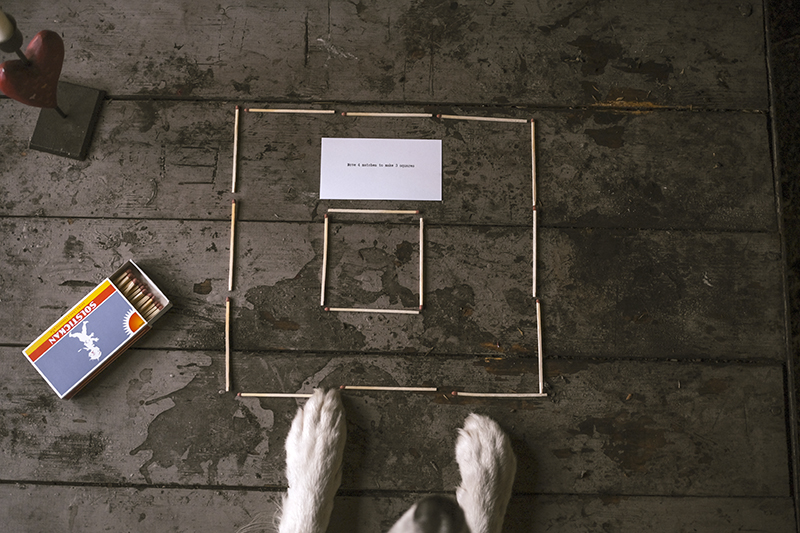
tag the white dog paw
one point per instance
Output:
(314, 450)
(488, 466)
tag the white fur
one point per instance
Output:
(488, 467)
(314, 451)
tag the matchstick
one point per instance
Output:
(125, 282)
(421, 256)
(484, 119)
(235, 147)
(533, 162)
(399, 115)
(148, 304)
(138, 295)
(375, 211)
(389, 389)
(535, 251)
(233, 238)
(499, 394)
(274, 395)
(145, 302)
(151, 310)
(227, 344)
(539, 344)
(309, 111)
(361, 310)
(324, 262)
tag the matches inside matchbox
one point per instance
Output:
(96, 330)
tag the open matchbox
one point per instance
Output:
(105, 323)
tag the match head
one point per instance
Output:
(326, 308)
(342, 387)
(439, 115)
(238, 394)
(237, 107)
(227, 299)
(233, 202)
(454, 393)
(344, 113)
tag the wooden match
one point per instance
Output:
(533, 162)
(274, 394)
(499, 394)
(388, 389)
(535, 251)
(398, 115)
(324, 262)
(362, 310)
(149, 304)
(235, 147)
(152, 311)
(227, 344)
(375, 211)
(233, 239)
(306, 111)
(138, 294)
(421, 255)
(484, 119)
(539, 344)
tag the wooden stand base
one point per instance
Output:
(70, 136)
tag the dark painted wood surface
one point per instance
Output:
(633, 428)
(660, 267)
(664, 170)
(547, 53)
(123, 510)
(604, 292)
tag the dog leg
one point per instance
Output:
(314, 449)
(488, 467)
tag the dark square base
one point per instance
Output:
(69, 137)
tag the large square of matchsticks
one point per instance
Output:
(381, 309)
(529, 123)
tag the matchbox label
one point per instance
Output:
(85, 338)
(91, 335)
(73, 317)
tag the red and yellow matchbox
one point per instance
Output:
(105, 323)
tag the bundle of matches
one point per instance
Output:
(138, 294)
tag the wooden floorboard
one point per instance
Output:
(548, 53)
(660, 263)
(604, 292)
(135, 509)
(595, 168)
(632, 428)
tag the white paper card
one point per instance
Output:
(381, 169)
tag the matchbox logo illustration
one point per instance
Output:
(88, 340)
(85, 338)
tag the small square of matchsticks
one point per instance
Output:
(325, 262)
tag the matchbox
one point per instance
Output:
(105, 323)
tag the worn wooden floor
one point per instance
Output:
(661, 267)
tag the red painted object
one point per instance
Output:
(35, 84)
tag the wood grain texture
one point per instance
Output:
(123, 510)
(659, 271)
(665, 170)
(626, 428)
(604, 292)
(573, 53)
